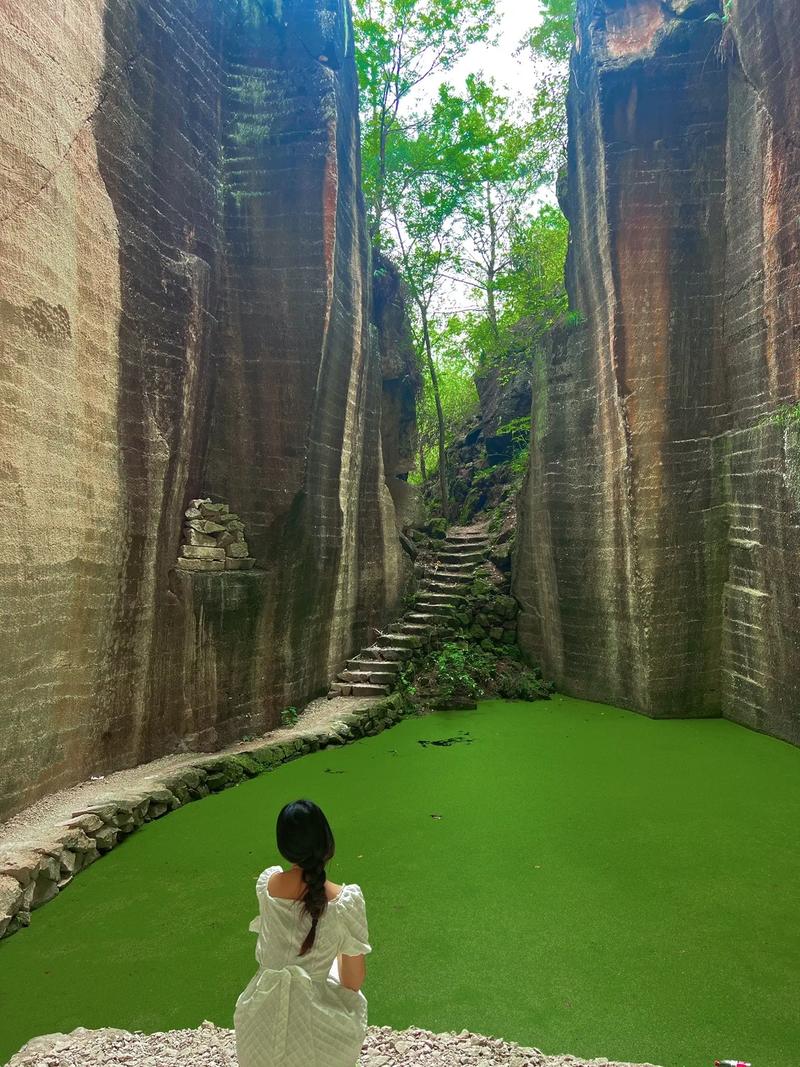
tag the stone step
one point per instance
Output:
(464, 545)
(463, 550)
(433, 596)
(399, 640)
(441, 573)
(432, 617)
(389, 652)
(366, 664)
(421, 628)
(346, 689)
(435, 573)
(437, 608)
(474, 557)
(373, 677)
(435, 585)
(441, 586)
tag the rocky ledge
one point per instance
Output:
(210, 1046)
(34, 870)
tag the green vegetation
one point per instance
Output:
(725, 16)
(289, 716)
(459, 194)
(628, 891)
(469, 670)
(787, 415)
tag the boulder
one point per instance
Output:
(11, 897)
(201, 552)
(88, 823)
(200, 564)
(106, 838)
(22, 866)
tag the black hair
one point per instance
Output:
(305, 838)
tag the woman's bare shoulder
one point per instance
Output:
(288, 884)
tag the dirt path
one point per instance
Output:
(38, 821)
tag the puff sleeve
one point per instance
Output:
(354, 940)
(261, 886)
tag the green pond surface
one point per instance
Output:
(595, 882)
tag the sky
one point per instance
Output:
(510, 71)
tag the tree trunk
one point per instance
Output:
(491, 267)
(423, 473)
(443, 494)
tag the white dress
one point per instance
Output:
(294, 1011)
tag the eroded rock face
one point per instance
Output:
(401, 383)
(184, 312)
(658, 558)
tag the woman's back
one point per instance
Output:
(295, 1012)
(282, 925)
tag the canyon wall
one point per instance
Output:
(184, 311)
(402, 383)
(658, 553)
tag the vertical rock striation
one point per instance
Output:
(658, 554)
(401, 384)
(184, 312)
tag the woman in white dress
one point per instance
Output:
(304, 1006)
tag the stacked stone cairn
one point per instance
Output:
(213, 539)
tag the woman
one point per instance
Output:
(304, 1007)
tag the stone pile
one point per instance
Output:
(34, 873)
(213, 539)
(212, 1046)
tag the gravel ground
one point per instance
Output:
(210, 1046)
(38, 821)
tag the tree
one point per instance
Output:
(454, 194)
(531, 295)
(457, 394)
(550, 44)
(420, 211)
(490, 153)
(399, 45)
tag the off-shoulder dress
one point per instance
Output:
(294, 1012)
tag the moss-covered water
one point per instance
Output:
(576, 877)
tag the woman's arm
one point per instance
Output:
(352, 971)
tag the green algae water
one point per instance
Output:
(563, 874)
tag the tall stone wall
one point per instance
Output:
(401, 385)
(658, 555)
(184, 311)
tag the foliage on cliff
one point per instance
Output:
(459, 190)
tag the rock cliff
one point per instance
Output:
(658, 555)
(402, 383)
(184, 313)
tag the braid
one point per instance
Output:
(314, 900)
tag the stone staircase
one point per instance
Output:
(446, 575)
